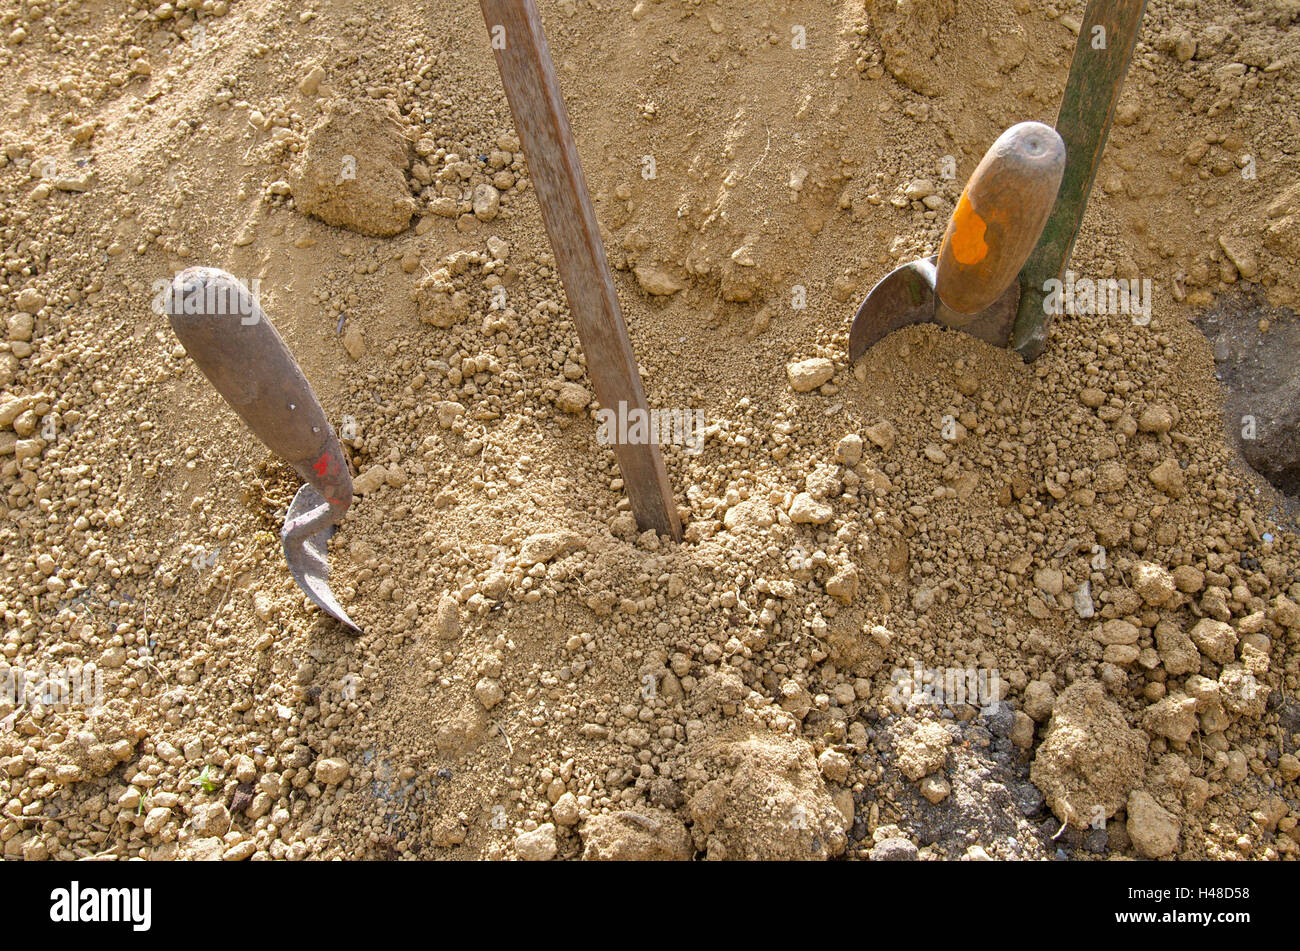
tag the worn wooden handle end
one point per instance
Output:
(999, 216)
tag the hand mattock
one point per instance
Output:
(515, 31)
(1024, 206)
(228, 336)
(970, 285)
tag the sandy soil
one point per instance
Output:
(536, 678)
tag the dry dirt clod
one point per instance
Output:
(537, 845)
(644, 836)
(331, 771)
(924, 750)
(807, 375)
(1089, 757)
(1153, 830)
(656, 281)
(353, 169)
(573, 398)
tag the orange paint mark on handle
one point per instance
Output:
(968, 228)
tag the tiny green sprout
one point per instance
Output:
(206, 781)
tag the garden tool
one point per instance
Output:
(533, 93)
(1018, 318)
(228, 336)
(970, 285)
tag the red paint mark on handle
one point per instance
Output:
(322, 465)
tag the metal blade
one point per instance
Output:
(993, 324)
(903, 297)
(307, 556)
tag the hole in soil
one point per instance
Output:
(1260, 374)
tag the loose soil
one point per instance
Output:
(538, 679)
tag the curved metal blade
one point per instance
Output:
(993, 324)
(307, 556)
(906, 296)
(903, 297)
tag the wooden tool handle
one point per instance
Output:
(1101, 57)
(999, 217)
(229, 337)
(533, 92)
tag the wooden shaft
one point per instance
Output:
(1092, 91)
(515, 32)
(999, 217)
